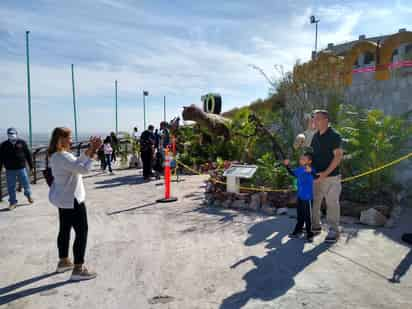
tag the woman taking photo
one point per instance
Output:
(67, 193)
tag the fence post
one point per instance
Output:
(1, 187)
(35, 166)
(79, 149)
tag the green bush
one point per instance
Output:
(371, 139)
(270, 173)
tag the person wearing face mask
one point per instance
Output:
(14, 154)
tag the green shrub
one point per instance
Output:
(371, 140)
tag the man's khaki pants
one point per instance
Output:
(330, 189)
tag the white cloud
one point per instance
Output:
(168, 53)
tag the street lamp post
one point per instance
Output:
(315, 21)
(164, 108)
(28, 88)
(145, 94)
(74, 106)
(115, 95)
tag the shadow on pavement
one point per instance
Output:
(131, 209)
(119, 181)
(273, 274)
(402, 268)
(20, 284)
(7, 298)
(41, 289)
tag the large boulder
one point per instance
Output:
(255, 200)
(239, 204)
(352, 209)
(227, 204)
(282, 211)
(268, 210)
(372, 217)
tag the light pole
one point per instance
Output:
(74, 106)
(145, 94)
(115, 95)
(28, 88)
(164, 108)
(315, 21)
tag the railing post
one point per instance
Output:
(79, 149)
(1, 187)
(35, 167)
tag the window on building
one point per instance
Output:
(408, 52)
(395, 56)
(369, 58)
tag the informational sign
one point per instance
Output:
(240, 171)
(235, 172)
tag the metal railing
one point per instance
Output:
(39, 162)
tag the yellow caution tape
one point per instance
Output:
(263, 189)
(405, 157)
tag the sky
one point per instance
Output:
(178, 49)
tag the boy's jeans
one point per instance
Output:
(11, 176)
(330, 189)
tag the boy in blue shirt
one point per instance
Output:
(305, 175)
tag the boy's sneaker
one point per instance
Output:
(317, 231)
(309, 237)
(295, 235)
(12, 206)
(332, 237)
(64, 265)
(81, 273)
(30, 200)
(395, 279)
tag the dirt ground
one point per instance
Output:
(186, 255)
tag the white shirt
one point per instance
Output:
(68, 185)
(107, 148)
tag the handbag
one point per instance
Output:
(47, 173)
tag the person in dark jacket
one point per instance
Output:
(14, 154)
(147, 142)
(157, 139)
(114, 142)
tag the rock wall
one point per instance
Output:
(392, 96)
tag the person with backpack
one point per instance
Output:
(68, 194)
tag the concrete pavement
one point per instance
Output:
(185, 255)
